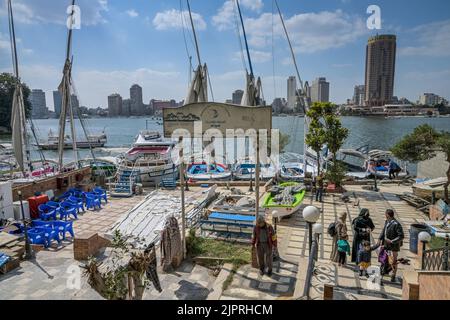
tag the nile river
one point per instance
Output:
(377, 132)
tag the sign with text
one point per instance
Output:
(219, 116)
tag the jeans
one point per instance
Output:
(342, 257)
(319, 194)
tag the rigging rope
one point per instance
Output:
(273, 54)
(238, 33)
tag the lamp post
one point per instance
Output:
(424, 237)
(275, 219)
(28, 249)
(317, 229)
(311, 214)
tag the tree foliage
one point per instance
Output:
(7, 86)
(326, 129)
(423, 144)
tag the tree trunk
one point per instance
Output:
(318, 162)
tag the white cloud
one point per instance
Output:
(432, 40)
(309, 32)
(172, 19)
(50, 11)
(225, 17)
(257, 56)
(132, 13)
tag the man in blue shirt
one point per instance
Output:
(394, 169)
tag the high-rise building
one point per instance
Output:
(380, 69)
(75, 105)
(126, 107)
(237, 97)
(359, 95)
(114, 105)
(278, 105)
(320, 90)
(137, 103)
(57, 102)
(38, 104)
(429, 99)
(291, 92)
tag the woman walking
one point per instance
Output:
(362, 227)
(340, 233)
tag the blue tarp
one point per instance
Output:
(231, 217)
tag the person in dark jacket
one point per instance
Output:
(362, 227)
(365, 257)
(392, 239)
(265, 240)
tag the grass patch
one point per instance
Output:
(234, 253)
(436, 243)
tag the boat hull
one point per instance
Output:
(80, 145)
(151, 177)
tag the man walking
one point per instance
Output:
(392, 239)
(319, 187)
(265, 240)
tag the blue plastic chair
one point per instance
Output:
(92, 201)
(46, 212)
(36, 236)
(62, 227)
(68, 209)
(54, 205)
(76, 202)
(50, 234)
(101, 193)
(41, 223)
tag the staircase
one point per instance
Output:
(124, 181)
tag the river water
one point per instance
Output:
(377, 132)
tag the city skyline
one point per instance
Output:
(335, 50)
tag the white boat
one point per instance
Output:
(204, 172)
(425, 188)
(150, 159)
(93, 141)
(293, 167)
(245, 170)
(364, 165)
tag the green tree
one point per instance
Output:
(7, 87)
(423, 144)
(326, 129)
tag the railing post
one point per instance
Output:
(445, 255)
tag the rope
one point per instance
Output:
(273, 54)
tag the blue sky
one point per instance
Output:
(136, 41)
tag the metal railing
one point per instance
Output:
(311, 267)
(436, 259)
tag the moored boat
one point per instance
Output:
(285, 199)
(205, 172)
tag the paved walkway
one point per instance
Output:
(293, 248)
(50, 275)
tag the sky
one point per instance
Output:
(149, 42)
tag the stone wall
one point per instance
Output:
(433, 168)
(434, 285)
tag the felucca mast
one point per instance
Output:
(245, 39)
(65, 89)
(302, 94)
(18, 115)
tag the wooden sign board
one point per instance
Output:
(213, 115)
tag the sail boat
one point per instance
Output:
(20, 143)
(296, 167)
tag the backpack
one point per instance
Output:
(332, 229)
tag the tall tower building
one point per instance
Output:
(237, 97)
(114, 105)
(359, 95)
(57, 102)
(137, 103)
(320, 90)
(38, 104)
(291, 92)
(380, 69)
